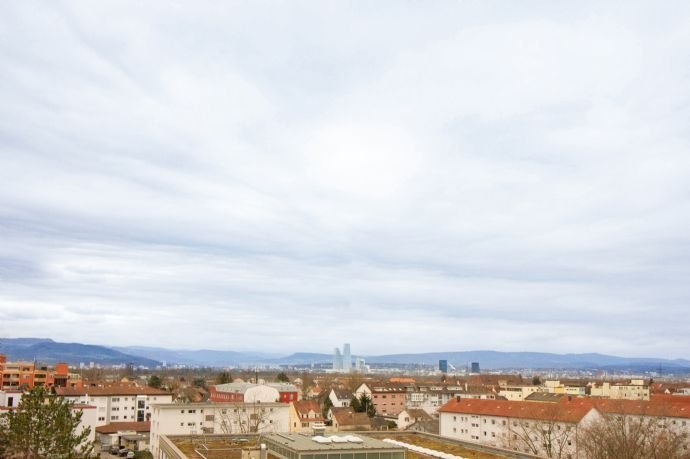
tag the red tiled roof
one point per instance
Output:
(657, 407)
(116, 390)
(115, 427)
(304, 406)
(520, 410)
(347, 417)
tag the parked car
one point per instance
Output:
(115, 449)
(130, 455)
(123, 452)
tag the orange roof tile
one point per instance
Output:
(520, 410)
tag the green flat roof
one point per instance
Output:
(304, 443)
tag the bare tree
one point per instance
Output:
(549, 436)
(626, 436)
(243, 418)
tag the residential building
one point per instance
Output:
(117, 403)
(26, 375)
(345, 419)
(529, 427)
(518, 393)
(214, 417)
(10, 398)
(431, 398)
(134, 436)
(389, 401)
(637, 389)
(249, 392)
(305, 416)
(410, 418)
(340, 398)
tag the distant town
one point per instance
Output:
(457, 409)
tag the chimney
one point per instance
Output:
(262, 453)
(457, 398)
(570, 398)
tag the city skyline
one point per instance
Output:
(455, 175)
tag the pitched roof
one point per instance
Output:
(115, 427)
(304, 406)
(417, 413)
(343, 394)
(347, 417)
(521, 410)
(662, 407)
(115, 390)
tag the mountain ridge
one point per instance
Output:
(51, 351)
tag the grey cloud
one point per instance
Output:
(480, 176)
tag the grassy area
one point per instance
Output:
(214, 447)
(435, 444)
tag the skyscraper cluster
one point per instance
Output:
(342, 362)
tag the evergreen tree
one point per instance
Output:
(42, 426)
(155, 381)
(282, 377)
(224, 378)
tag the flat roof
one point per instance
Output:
(304, 443)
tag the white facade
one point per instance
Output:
(636, 390)
(88, 420)
(10, 398)
(208, 418)
(517, 393)
(340, 400)
(261, 394)
(119, 407)
(512, 433)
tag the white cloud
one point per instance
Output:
(478, 176)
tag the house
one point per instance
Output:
(10, 398)
(518, 425)
(116, 402)
(345, 419)
(411, 417)
(305, 415)
(131, 435)
(363, 389)
(340, 398)
(217, 418)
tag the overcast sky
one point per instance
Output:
(403, 176)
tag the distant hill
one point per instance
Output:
(202, 357)
(49, 351)
(496, 360)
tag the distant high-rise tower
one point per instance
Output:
(337, 359)
(443, 366)
(347, 358)
(475, 368)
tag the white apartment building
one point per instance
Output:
(213, 417)
(126, 403)
(527, 427)
(636, 390)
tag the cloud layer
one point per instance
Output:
(291, 176)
